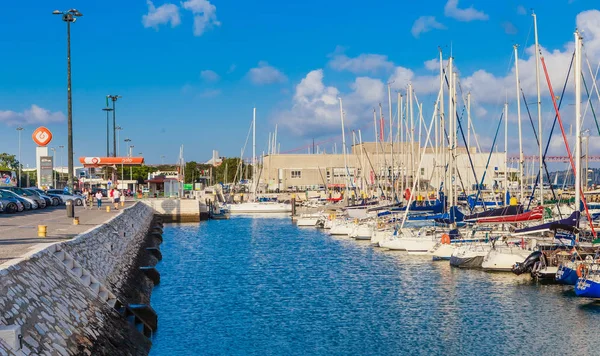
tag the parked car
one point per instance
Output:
(102, 190)
(43, 196)
(77, 199)
(28, 202)
(11, 205)
(29, 194)
(55, 199)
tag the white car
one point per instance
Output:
(34, 204)
(65, 196)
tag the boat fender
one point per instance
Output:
(582, 270)
(407, 194)
(445, 239)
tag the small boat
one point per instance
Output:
(308, 220)
(259, 207)
(483, 216)
(218, 213)
(536, 213)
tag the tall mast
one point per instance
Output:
(254, 182)
(505, 152)
(521, 159)
(376, 173)
(401, 143)
(577, 73)
(455, 136)
(344, 151)
(451, 130)
(468, 133)
(391, 140)
(412, 132)
(442, 122)
(539, 105)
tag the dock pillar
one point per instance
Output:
(293, 205)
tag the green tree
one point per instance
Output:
(9, 162)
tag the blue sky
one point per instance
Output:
(191, 71)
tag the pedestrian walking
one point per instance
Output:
(116, 198)
(86, 195)
(99, 199)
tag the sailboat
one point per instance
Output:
(256, 206)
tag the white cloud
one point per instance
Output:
(32, 116)
(521, 10)
(209, 75)
(266, 74)
(469, 14)
(509, 28)
(315, 106)
(425, 24)
(210, 93)
(364, 63)
(167, 13)
(205, 15)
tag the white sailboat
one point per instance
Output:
(255, 206)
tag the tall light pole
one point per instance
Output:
(127, 140)
(61, 161)
(19, 129)
(53, 160)
(108, 110)
(162, 159)
(68, 17)
(118, 129)
(131, 167)
(114, 99)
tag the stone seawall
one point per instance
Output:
(70, 298)
(178, 210)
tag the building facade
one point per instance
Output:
(369, 166)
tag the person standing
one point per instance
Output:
(116, 198)
(99, 199)
(86, 195)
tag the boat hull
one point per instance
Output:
(466, 261)
(587, 288)
(259, 208)
(566, 275)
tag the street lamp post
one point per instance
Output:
(127, 140)
(61, 162)
(162, 159)
(53, 160)
(19, 129)
(131, 167)
(118, 129)
(114, 99)
(68, 17)
(108, 110)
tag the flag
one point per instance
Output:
(381, 128)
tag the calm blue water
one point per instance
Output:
(263, 286)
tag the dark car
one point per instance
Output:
(102, 190)
(29, 194)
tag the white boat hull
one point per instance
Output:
(249, 208)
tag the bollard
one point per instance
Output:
(293, 205)
(42, 230)
(108, 208)
(76, 220)
(122, 202)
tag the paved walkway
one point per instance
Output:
(18, 232)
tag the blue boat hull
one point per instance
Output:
(566, 275)
(587, 288)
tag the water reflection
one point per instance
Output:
(263, 286)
